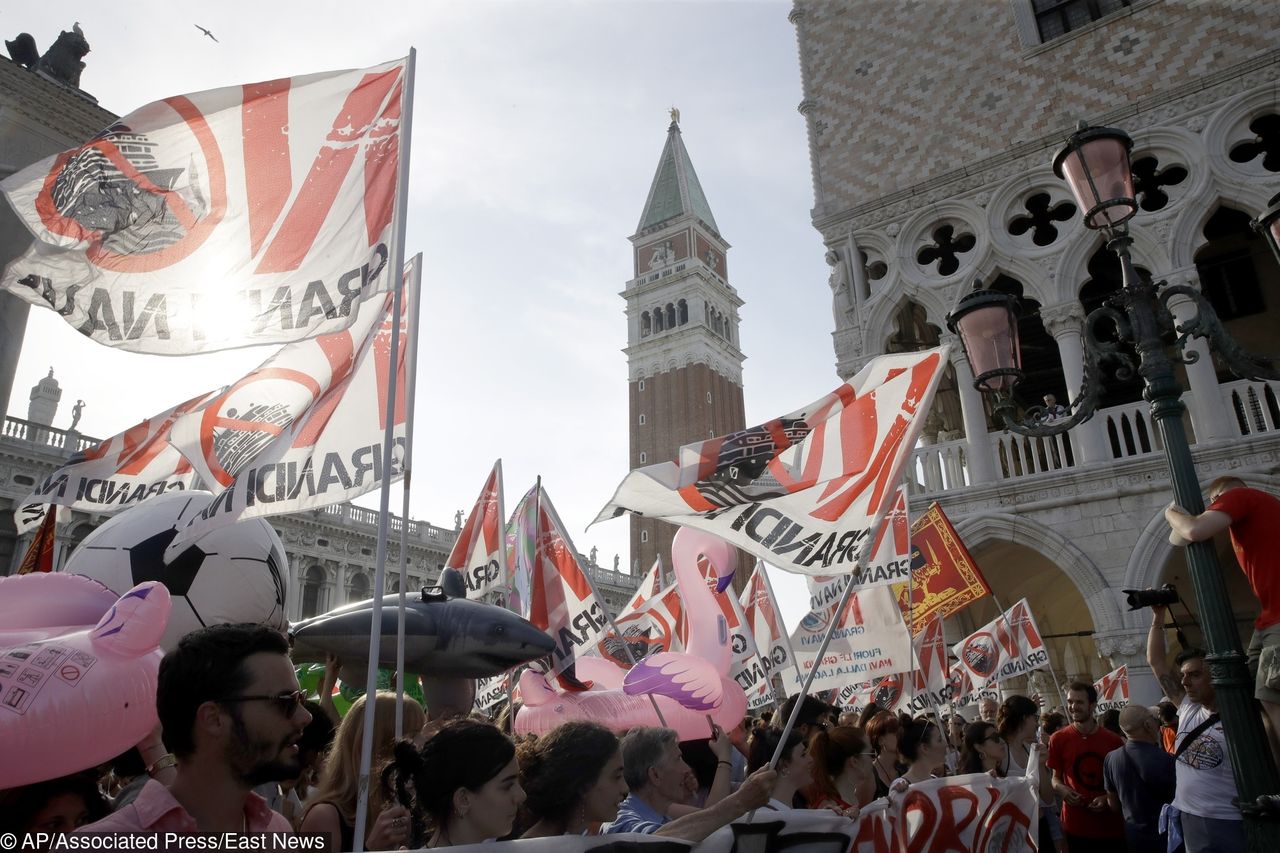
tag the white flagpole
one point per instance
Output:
(604, 608)
(415, 288)
(380, 573)
(773, 602)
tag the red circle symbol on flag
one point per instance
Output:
(70, 673)
(980, 654)
(138, 198)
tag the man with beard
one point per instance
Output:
(1076, 755)
(232, 714)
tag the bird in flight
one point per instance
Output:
(206, 32)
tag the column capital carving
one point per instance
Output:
(1124, 643)
(1189, 276)
(1063, 318)
(951, 339)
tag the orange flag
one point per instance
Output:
(946, 579)
(39, 556)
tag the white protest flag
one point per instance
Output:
(479, 552)
(1008, 646)
(926, 687)
(251, 214)
(561, 599)
(333, 451)
(1113, 689)
(870, 639)
(118, 472)
(764, 622)
(650, 585)
(806, 490)
(655, 625)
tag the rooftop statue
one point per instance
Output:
(61, 62)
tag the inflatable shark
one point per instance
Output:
(444, 636)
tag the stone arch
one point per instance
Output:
(671, 316)
(646, 325)
(682, 312)
(312, 591)
(1186, 238)
(659, 320)
(882, 320)
(1037, 284)
(1099, 598)
(1073, 265)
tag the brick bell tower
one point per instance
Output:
(683, 362)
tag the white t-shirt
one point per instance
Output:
(1206, 785)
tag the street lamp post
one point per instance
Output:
(1095, 163)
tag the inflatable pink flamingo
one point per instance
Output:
(688, 687)
(78, 668)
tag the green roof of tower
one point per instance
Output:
(675, 190)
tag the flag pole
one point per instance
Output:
(604, 608)
(415, 284)
(380, 573)
(786, 635)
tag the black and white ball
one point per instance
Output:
(237, 573)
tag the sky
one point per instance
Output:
(537, 128)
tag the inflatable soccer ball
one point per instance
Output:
(235, 574)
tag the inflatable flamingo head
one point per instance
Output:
(691, 545)
(73, 696)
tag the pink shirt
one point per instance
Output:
(155, 810)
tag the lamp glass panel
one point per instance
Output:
(990, 336)
(1107, 161)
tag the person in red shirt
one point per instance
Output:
(1252, 517)
(1076, 753)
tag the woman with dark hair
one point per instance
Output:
(1019, 722)
(842, 776)
(984, 751)
(57, 805)
(795, 767)
(882, 732)
(573, 779)
(923, 746)
(465, 779)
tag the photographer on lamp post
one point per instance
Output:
(1252, 516)
(1205, 784)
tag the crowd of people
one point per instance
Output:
(240, 748)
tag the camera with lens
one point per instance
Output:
(1140, 598)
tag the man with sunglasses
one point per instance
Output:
(232, 714)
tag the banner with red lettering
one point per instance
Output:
(333, 451)
(920, 691)
(870, 640)
(763, 621)
(946, 579)
(251, 214)
(479, 553)
(1008, 646)
(117, 473)
(806, 491)
(1113, 689)
(656, 625)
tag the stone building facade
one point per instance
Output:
(931, 150)
(683, 358)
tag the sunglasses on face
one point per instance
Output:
(288, 703)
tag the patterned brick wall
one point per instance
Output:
(899, 93)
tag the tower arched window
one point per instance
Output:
(671, 316)
(646, 325)
(658, 324)
(682, 310)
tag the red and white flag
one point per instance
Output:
(1113, 689)
(870, 639)
(117, 473)
(245, 215)
(924, 688)
(479, 552)
(333, 451)
(655, 625)
(650, 585)
(1008, 646)
(561, 599)
(763, 621)
(807, 491)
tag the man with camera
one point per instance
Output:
(1205, 784)
(1252, 516)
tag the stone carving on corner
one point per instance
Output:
(1061, 318)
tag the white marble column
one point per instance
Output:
(1064, 322)
(1210, 415)
(982, 468)
(1128, 646)
(340, 588)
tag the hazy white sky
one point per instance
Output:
(537, 129)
